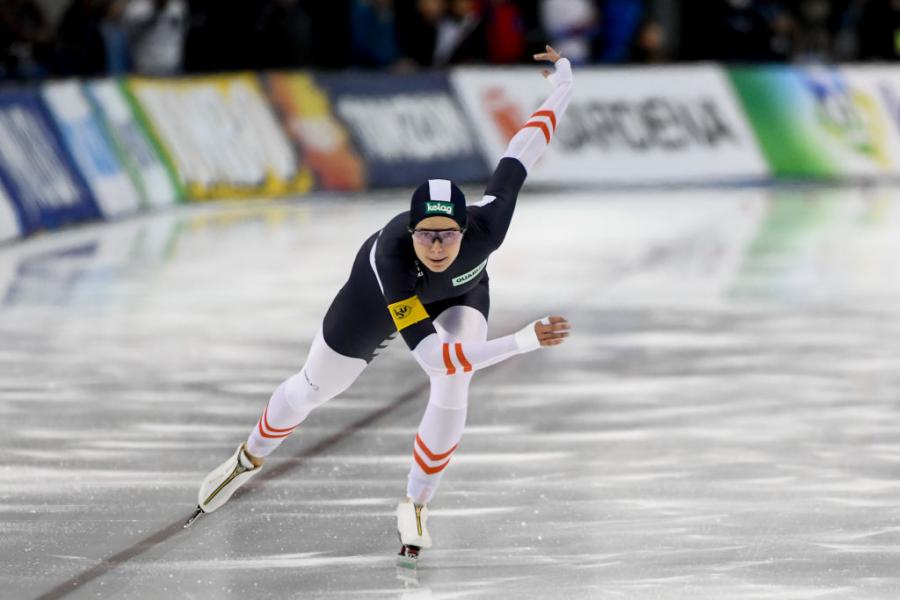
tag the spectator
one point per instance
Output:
(156, 33)
(505, 32)
(736, 30)
(461, 35)
(282, 37)
(620, 23)
(880, 27)
(812, 37)
(374, 36)
(417, 27)
(331, 34)
(571, 26)
(80, 44)
(25, 40)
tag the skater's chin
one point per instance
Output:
(438, 265)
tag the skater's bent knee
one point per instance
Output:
(300, 392)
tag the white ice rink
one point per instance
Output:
(723, 424)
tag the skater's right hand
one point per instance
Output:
(554, 333)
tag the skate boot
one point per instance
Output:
(411, 525)
(225, 479)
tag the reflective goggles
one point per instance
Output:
(427, 237)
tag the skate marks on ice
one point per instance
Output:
(721, 425)
(276, 470)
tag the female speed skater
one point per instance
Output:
(423, 275)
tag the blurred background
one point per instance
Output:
(58, 38)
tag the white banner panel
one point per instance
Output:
(874, 117)
(91, 150)
(9, 221)
(142, 160)
(635, 126)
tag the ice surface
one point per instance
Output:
(722, 424)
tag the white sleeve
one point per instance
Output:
(529, 143)
(449, 358)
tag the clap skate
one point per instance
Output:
(223, 481)
(411, 526)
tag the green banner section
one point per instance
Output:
(818, 122)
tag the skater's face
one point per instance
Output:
(434, 248)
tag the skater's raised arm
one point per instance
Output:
(493, 213)
(529, 143)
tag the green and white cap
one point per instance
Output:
(438, 198)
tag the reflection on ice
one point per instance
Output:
(721, 425)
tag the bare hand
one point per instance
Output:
(551, 55)
(553, 334)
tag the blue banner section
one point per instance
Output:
(38, 173)
(9, 220)
(92, 150)
(409, 128)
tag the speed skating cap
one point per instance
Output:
(438, 198)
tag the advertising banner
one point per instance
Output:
(640, 125)
(9, 221)
(221, 135)
(38, 174)
(876, 91)
(92, 151)
(821, 121)
(151, 175)
(318, 136)
(409, 128)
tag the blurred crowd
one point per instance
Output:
(59, 38)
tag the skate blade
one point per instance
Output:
(408, 557)
(194, 517)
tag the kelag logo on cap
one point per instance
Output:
(443, 208)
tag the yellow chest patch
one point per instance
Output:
(407, 312)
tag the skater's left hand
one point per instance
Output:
(551, 55)
(553, 334)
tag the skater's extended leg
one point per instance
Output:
(325, 375)
(442, 425)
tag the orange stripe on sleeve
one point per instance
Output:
(467, 366)
(540, 125)
(451, 369)
(549, 114)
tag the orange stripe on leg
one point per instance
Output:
(467, 366)
(272, 437)
(431, 454)
(429, 470)
(540, 125)
(451, 370)
(274, 429)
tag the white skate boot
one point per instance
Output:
(225, 479)
(411, 525)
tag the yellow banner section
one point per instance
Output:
(321, 139)
(221, 135)
(407, 312)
